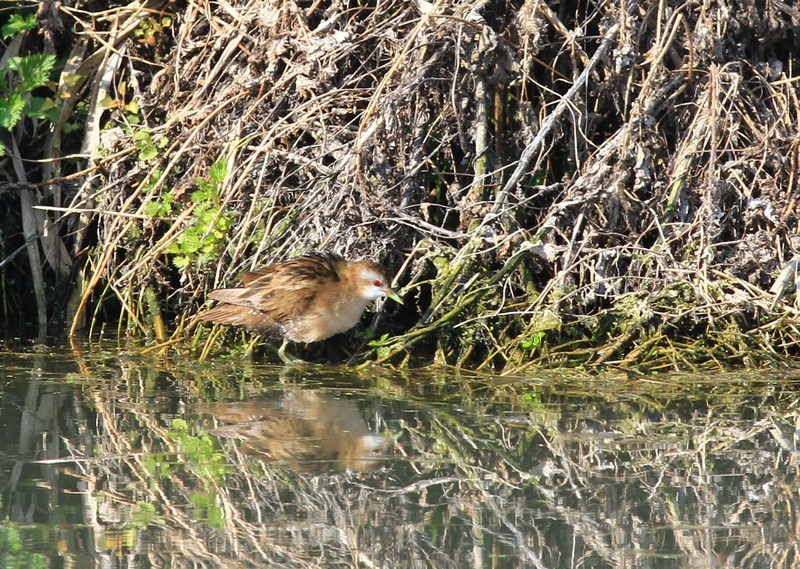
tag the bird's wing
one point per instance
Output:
(307, 268)
(282, 291)
(251, 319)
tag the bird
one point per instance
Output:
(305, 299)
(307, 430)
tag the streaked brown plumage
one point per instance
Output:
(306, 299)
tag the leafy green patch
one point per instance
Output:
(148, 147)
(13, 552)
(18, 23)
(25, 74)
(204, 238)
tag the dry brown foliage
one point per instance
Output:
(552, 183)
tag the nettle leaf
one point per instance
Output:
(18, 23)
(34, 70)
(206, 189)
(158, 208)
(152, 209)
(11, 107)
(200, 196)
(224, 222)
(206, 217)
(218, 172)
(189, 242)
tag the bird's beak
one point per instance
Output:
(393, 295)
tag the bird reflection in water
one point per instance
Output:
(305, 430)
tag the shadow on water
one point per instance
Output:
(112, 459)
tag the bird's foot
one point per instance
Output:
(288, 359)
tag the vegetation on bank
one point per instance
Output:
(553, 184)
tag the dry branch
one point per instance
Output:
(556, 185)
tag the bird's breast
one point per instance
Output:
(325, 319)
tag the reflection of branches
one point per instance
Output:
(665, 472)
(530, 474)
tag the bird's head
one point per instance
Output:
(373, 282)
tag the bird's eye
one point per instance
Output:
(377, 283)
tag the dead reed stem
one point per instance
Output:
(550, 185)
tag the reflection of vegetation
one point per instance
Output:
(199, 451)
(143, 514)
(14, 554)
(200, 458)
(206, 509)
(516, 472)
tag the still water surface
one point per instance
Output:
(111, 458)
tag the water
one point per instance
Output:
(111, 458)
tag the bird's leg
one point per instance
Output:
(288, 359)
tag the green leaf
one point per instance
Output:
(205, 187)
(151, 183)
(379, 342)
(533, 342)
(152, 209)
(132, 107)
(148, 153)
(142, 139)
(43, 108)
(34, 70)
(71, 79)
(180, 261)
(218, 172)
(107, 102)
(206, 217)
(224, 222)
(11, 108)
(200, 196)
(156, 209)
(69, 127)
(189, 242)
(18, 23)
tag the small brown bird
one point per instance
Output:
(306, 299)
